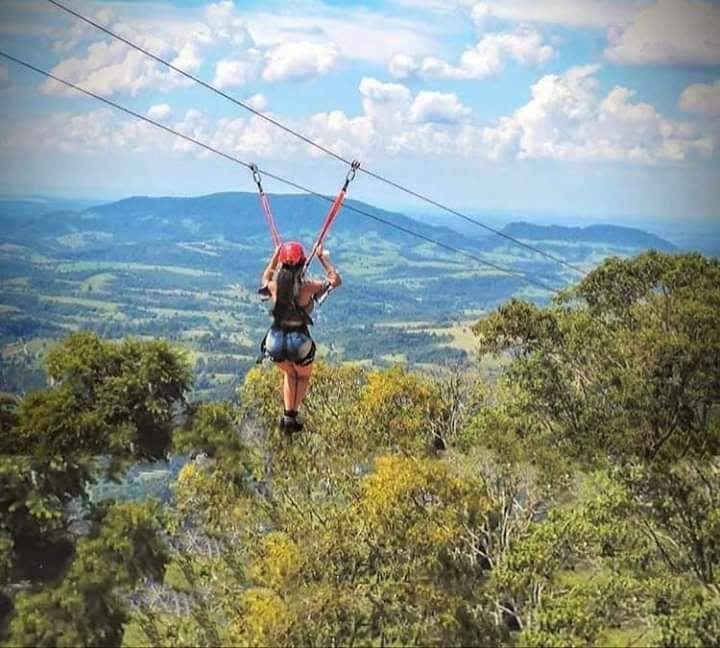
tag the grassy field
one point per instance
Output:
(99, 266)
(98, 283)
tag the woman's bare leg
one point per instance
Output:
(302, 379)
(290, 386)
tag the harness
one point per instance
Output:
(281, 316)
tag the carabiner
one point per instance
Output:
(256, 175)
(353, 170)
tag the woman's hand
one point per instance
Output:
(333, 276)
(323, 254)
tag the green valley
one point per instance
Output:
(186, 269)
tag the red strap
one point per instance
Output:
(277, 241)
(334, 210)
(265, 203)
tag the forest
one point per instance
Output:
(575, 500)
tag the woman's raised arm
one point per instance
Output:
(332, 274)
(270, 270)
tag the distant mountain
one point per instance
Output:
(237, 216)
(615, 235)
(234, 216)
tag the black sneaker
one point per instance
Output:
(289, 424)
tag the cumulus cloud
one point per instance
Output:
(571, 13)
(481, 13)
(258, 102)
(383, 93)
(187, 58)
(669, 32)
(702, 99)
(227, 26)
(111, 67)
(233, 73)
(486, 58)
(4, 77)
(403, 66)
(87, 134)
(348, 136)
(300, 61)
(566, 120)
(437, 108)
(159, 111)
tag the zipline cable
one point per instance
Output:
(313, 143)
(289, 183)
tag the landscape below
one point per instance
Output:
(574, 499)
(187, 270)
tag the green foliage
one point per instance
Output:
(635, 373)
(85, 608)
(574, 503)
(621, 374)
(109, 405)
(694, 621)
(117, 398)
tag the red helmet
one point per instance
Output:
(292, 253)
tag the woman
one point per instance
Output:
(288, 341)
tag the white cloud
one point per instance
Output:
(159, 111)
(437, 108)
(300, 61)
(597, 14)
(571, 13)
(227, 26)
(238, 72)
(403, 66)
(669, 32)
(187, 59)
(86, 134)
(348, 136)
(359, 34)
(566, 120)
(258, 102)
(4, 76)
(701, 98)
(110, 68)
(481, 14)
(486, 58)
(383, 93)
(385, 104)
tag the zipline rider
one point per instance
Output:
(288, 342)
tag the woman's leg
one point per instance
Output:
(302, 379)
(290, 386)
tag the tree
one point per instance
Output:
(108, 405)
(622, 375)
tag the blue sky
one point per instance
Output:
(599, 108)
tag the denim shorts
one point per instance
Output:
(294, 346)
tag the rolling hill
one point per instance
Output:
(187, 269)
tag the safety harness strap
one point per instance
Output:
(265, 203)
(332, 214)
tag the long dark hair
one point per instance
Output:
(287, 281)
